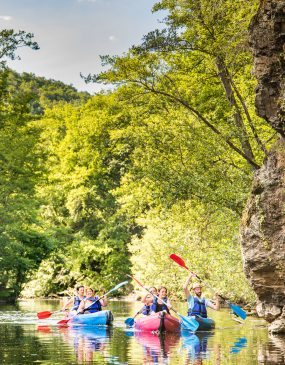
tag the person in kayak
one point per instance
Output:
(148, 300)
(76, 300)
(91, 304)
(157, 305)
(197, 305)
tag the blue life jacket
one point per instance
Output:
(155, 307)
(76, 302)
(146, 310)
(95, 306)
(199, 308)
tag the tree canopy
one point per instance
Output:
(163, 163)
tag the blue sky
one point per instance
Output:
(73, 33)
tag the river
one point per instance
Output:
(26, 340)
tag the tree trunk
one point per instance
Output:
(263, 223)
(240, 127)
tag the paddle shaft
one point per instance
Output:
(155, 296)
(110, 291)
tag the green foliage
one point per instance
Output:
(84, 164)
(23, 244)
(207, 240)
(10, 41)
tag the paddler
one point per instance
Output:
(76, 300)
(197, 305)
(91, 304)
(158, 305)
(148, 300)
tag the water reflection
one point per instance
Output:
(25, 340)
(87, 341)
(273, 353)
(196, 346)
(156, 347)
(238, 345)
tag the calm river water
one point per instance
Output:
(26, 340)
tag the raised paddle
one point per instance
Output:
(131, 320)
(235, 308)
(64, 321)
(188, 323)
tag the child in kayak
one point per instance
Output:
(148, 300)
(158, 305)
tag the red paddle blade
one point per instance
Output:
(178, 260)
(43, 315)
(63, 321)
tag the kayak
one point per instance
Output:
(101, 318)
(158, 322)
(205, 324)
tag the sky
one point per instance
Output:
(72, 34)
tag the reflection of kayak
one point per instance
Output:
(91, 332)
(99, 318)
(158, 322)
(158, 342)
(196, 344)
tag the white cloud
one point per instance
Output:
(5, 17)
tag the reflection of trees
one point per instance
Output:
(273, 352)
(119, 347)
(16, 348)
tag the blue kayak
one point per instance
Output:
(102, 318)
(205, 324)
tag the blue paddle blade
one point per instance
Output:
(238, 311)
(239, 345)
(119, 285)
(129, 322)
(189, 323)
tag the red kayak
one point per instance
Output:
(158, 322)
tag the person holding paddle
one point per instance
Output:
(148, 300)
(158, 305)
(197, 305)
(91, 304)
(76, 300)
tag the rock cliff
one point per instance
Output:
(262, 228)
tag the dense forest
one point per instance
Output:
(96, 187)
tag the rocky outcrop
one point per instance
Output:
(263, 237)
(263, 223)
(267, 42)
